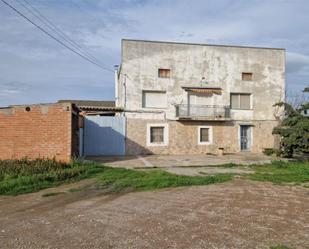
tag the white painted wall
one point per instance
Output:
(222, 66)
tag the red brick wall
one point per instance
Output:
(42, 132)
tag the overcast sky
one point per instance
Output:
(36, 69)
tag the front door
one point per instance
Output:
(245, 137)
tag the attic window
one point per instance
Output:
(247, 76)
(164, 73)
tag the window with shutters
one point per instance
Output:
(241, 101)
(154, 99)
(204, 135)
(247, 76)
(164, 73)
(157, 134)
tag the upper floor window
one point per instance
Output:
(154, 99)
(241, 101)
(247, 76)
(164, 73)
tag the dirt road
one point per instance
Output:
(237, 214)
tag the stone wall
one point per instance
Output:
(183, 137)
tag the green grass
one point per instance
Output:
(25, 176)
(117, 179)
(281, 172)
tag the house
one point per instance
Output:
(199, 98)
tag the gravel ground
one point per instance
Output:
(237, 214)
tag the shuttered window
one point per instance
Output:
(157, 134)
(154, 99)
(164, 73)
(241, 101)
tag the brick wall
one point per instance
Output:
(44, 131)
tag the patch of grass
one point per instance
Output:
(73, 190)
(52, 194)
(281, 172)
(117, 179)
(279, 247)
(25, 176)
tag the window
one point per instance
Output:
(204, 135)
(154, 99)
(241, 101)
(164, 73)
(157, 134)
(247, 76)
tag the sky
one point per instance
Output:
(36, 69)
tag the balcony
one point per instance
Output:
(203, 112)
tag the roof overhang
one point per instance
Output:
(100, 108)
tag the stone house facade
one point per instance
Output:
(199, 98)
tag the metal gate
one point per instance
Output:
(104, 135)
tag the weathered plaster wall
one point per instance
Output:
(183, 137)
(221, 66)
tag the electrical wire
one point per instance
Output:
(55, 38)
(34, 11)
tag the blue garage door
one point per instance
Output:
(104, 135)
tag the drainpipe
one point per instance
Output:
(116, 86)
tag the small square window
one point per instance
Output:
(157, 134)
(204, 135)
(247, 76)
(164, 73)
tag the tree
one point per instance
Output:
(294, 130)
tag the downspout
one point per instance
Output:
(116, 86)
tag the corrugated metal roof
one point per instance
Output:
(99, 108)
(89, 103)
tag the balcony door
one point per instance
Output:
(198, 102)
(200, 99)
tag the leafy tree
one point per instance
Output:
(294, 130)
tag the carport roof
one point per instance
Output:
(90, 103)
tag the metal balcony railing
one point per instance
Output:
(202, 111)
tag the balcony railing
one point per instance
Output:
(202, 112)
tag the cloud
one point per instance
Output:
(51, 72)
(297, 63)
